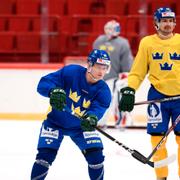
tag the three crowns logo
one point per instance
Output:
(86, 104)
(166, 66)
(157, 56)
(74, 96)
(77, 110)
(174, 56)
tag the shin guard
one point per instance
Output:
(160, 154)
(44, 159)
(95, 159)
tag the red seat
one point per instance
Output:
(134, 43)
(7, 46)
(57, 7)
(90, 23)
(28, 42)
(177, 28)
(8, 41)
(118, 7)
(85, 7)
(154, 4)
(137, 7)
(28, 7)
(53, 23)
(7, 7)
(4, 23)
(139, 25)
(20, 23)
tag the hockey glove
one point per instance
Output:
(89, 122)
(58, 98)
(127, 100)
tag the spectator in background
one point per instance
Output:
(121, 60)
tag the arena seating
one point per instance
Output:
(72, 27)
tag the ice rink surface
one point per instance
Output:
(18, 150)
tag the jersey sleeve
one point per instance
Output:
(139, 68)
(50, 81)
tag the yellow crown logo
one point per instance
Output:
(74, 96)
(77, 110)
(86, 104)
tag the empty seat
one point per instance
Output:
(20, 23)
(86, 7)
(139, 25)
(90, 23)
(8, 41)
(8, 7)
(118, 7)
(137, 7)
(154, 4)
(134, 43)
(56, 7)
(28, 43)
(4, 23)
(53, 23)
(28, 7)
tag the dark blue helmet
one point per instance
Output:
(163, 12)
(99, 57)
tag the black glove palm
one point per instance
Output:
(127, 100)
(89, 122)
(58, 98)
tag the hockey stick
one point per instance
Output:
(164, 137)
(158, 100)
(137, 155)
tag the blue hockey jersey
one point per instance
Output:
(82, 97)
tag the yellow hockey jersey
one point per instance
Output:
(160, 59)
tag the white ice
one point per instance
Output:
(18, 140)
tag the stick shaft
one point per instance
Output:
(158, 100)
(164, 137)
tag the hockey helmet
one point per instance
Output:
(163, 12)
(97, 56)
(112, 28)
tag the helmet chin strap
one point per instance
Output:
(89, 71)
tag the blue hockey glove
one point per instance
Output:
(127, 100)
(58, 98)
(89, 122)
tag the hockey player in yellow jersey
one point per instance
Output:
(159, 57)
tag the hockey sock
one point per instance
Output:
(178, 143)
(160, 154)
(44, 159)
(95, 160)
(39, 170)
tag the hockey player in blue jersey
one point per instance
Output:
(83, 91)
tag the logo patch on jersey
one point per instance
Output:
(86, 104)
(174, 56)
(49, 133)
(77, 110)
(154, 113)
(74, 96)
(166, 66)
(93, 134)
(157, 56)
